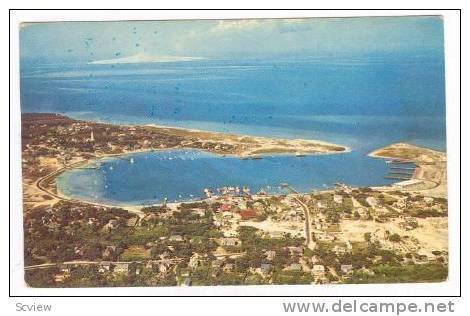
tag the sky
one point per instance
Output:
(224, 39)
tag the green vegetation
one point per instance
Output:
(423, 213)
(138, 235)
(402, 274)
(292, 277)
(134, 253)
(394, 238)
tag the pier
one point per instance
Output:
(397, 178)
(398, 170)
(395, 173)
(402, 168)
(399, 161)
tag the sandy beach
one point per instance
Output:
(431, 166)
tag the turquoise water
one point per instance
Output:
(364, 104)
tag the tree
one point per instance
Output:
(394, 238)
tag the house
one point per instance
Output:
(318, 270)
(248, 214)
(225, 207)
(230, 233)
(266, 268)
(65, 270)
(401, 203)
(59, 278)
(371, 201)
(132, 222)
(92, 221)
(318, 224)
(346, 268)
(112, 224)
(362, 212)
(230, 241)
(338, 199)
(339, 250)
(104, 266)
(428, 200)
(315, 259)
(121, 267)
(228, 267)
(175, 238)
(294, 267)
(186, 282)
(276, 234)
(270, 255)
(194, 261)
(295, 250)
(320, 205)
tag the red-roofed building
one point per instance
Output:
(225, 208)
(248, 214)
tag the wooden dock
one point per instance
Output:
(402, 168)
(397, 178)
(401, 173)
(398, 162)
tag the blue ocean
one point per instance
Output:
(363, 103)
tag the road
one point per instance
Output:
(39, 183)
(84, 262)
(40, 186)
(308, 234)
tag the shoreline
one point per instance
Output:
(171, 138)
(376, 153)
(373, 154)
(266, 138)
(430, 174)
(258, 147)
(135, 207)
